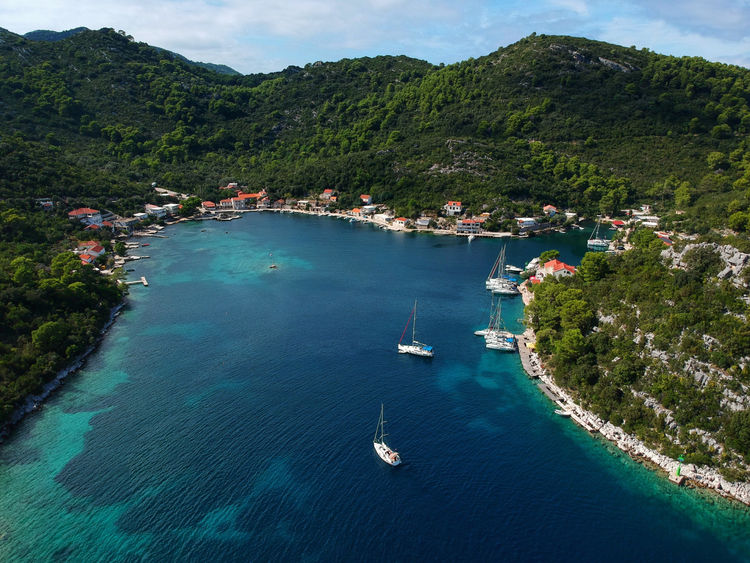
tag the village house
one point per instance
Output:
(172, 208)
(453, 208)
(366, 199)
(86, 215)
(369, 209)
(126, 223)
(557, 269)
(45, 202)
(155, 210)
(208, 205)
(549, 210)
(225, 203)
(423, 222)
(400, 222)
(356, 212)
(526, 222)
(327, 194)
(468, 226)
(238, 203)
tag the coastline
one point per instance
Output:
(33, 402)
(697, 476)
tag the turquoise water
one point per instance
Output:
(229, 412)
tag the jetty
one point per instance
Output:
(143, 280)
(530, 363)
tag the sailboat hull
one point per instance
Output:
(416, 350)
(386, 454)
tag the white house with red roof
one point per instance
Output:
(327, 193)
(468, 226)
(366, 199)
(208, 205)
(239, 203)
(400, 222)
(225, 203)
(453, 208)
(557, 268)
(549, 210)
(86, 215)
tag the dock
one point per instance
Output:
(530, 365)
(143, 280)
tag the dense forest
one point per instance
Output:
(656, 341)
(93, 118)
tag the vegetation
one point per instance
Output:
(663, 352)
(93, 118)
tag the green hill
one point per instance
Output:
(93, 118)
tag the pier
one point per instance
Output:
(530, 364)
(143, 280)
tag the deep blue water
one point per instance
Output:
(229, 415)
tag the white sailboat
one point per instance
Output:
(595, 242)
(416, 348)
(495, 335)
(385, 453)
(498, 280)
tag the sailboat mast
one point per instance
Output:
(414, 324)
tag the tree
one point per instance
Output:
(594, 266)
(548, 255)
(50, 337)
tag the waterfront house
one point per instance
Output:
(86, 215)
(468, 226)
(526, 222)
(140, 216)
(327, 194)
(557, 268)
(155, 210)
(423, 222)
(366, 199)
(453, 208)
(238, 203)
(172, 208)
(225, 203)
(549, 210)
(400, 222)
(357, 212)
(208, 205)
(369, 209)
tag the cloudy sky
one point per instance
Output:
(266, 36)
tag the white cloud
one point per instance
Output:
(663, 37)
(262, 36)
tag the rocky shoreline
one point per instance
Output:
(33, 402)
(701, 476)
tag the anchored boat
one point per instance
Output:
(416, 348)
(385, 453)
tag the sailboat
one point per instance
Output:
(596, 243)
(416, 348)
(498, 280)
(496, 337)
(385, 453)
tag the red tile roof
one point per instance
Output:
(83, 211)
(556, 266)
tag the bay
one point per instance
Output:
(229, 414)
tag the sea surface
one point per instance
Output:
(229, 414)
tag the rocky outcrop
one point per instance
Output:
(734, 261)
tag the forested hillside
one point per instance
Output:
(92, 119)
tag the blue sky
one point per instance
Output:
(266, 36)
